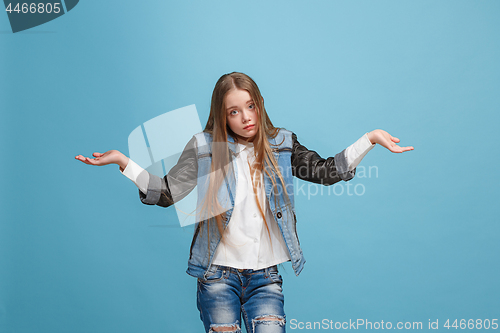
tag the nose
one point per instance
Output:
(245, 116)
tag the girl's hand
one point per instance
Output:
(109, 157)
(386, 140)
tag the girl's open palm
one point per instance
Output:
(388, 141)
(109, 157)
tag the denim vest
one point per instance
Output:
(201, 252)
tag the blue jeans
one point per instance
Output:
(227, 292)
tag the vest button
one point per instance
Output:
(278, 215)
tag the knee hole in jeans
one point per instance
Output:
(225, 328)
(268, 320)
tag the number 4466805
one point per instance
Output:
(472, 324)
(35, 8)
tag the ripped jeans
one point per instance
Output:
(226, 293)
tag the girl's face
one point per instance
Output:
(241, 114)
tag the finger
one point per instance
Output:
(398, 149)
(394, 139)
(408, 148)
(83, 159)
(90, 160)
(395, 149)
(96, 154)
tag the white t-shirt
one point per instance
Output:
(247, 243)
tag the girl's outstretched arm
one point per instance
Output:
(386, 140)
(109, 157)
(154, 190)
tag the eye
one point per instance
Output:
(251, 106)
(233, 112)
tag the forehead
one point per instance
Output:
(237, 97)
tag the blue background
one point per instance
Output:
(80, 253)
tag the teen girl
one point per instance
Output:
(243, 167)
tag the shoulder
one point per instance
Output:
(284, 132)
(287, 133)
(202, 142)
(284, 137)
(202, 138)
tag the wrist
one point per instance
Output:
(123, 162)
(371, 137)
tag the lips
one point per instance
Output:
(249, 127)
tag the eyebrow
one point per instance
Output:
(249, 101)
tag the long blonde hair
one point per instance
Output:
(221, 160)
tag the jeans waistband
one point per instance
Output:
(247, 271)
